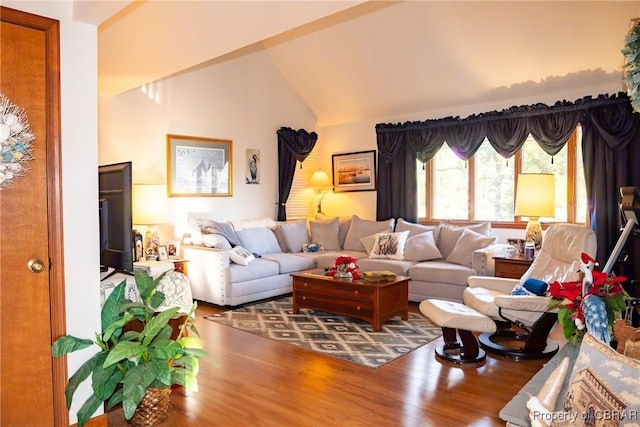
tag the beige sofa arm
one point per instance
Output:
(207, 273)
(482, 259)
(499, 284)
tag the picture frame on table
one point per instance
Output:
(163, 255)
(173, 249)
(354, 171)
(199, 166)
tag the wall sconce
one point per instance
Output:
(321, 184)
(150, 209)
(535, 197)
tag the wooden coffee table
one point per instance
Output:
(373, 302)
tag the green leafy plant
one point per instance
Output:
(133, 359)
(631, 52)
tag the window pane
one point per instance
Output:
(421, 176)
(450, 186)
(581, 186)
(535, 160)
(493, 185)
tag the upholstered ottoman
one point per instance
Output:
(457, 319)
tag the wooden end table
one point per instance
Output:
(373, 302)
(512, 267)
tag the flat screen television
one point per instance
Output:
(116, 234)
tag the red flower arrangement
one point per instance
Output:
(345, 267)
(568, 297)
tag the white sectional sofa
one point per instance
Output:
(439, 259)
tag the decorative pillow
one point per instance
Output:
(313, 247)
(361, 228)
(240, 255)
(294, 234)
(259, 240)
(206, 226)
(603, 388)
(389, 245)
(244, 224)
(521, 290)
(447, 235)
(215, 241)
(468, 242)
(368, 242)
(421, 247)
(344, 222)
(326, 231)
(535, 286)
(414, 229)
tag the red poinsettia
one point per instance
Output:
(344, 267)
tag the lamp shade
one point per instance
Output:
(150, 204)
(535, 195)
(320, 181)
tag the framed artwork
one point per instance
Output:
(354, 171)
(199, 166)
(163, 255)
(252, 166)
(173, 249)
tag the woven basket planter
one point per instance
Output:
(153, 407)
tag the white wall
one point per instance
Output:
(78, 78)
(244, 99)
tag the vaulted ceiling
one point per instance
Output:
(355, 60)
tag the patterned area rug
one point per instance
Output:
(338, 336)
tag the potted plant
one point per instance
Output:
(135, 361)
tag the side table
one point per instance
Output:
(180, 265)
(512, 267)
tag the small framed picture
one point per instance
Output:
(518, 245)
(354, 171)
(162, 253)
(173, 249)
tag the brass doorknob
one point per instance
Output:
(35, 265)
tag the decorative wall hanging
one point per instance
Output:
(252, 166)
(354, 171)
(199, 166)
(15, 142)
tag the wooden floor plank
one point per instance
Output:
(246, 380)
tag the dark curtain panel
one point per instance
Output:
(611, 151)
(397, 196)
(293, 146)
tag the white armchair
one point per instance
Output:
(524, 322)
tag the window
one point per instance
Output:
(483, 188)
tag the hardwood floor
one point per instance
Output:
(250, 381)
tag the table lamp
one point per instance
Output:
(535, 198)
(321, 185)
(150, 209)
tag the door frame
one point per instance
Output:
(51, 29)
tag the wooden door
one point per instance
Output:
(32, 304)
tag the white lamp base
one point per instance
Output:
(534, 232)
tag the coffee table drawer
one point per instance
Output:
(339, 288)
(347, 307)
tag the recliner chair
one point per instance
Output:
(523, 321)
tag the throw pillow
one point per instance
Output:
(215, 241)
(206, 226)
(368, 242)
(361, 228)
(535, 286)
(521, 290)
(421, 247)
(240, 255)
(313, 247)
(244, 224)
(326, 231)
(389, 245)
(294, 234)
(259, 240)
(344, 222)
(414, 229)
(468, 242)
(447, 235)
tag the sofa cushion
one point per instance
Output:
(414, 229)
(199, 227)
(389, 245)
(325, 232)
(447, 235)
(361, 228)
(421, 247)
(289, 263)
(294, 234)
(243, 224)
(259, 240)
(344, 222)
(468, 242)
(216, 241)
(256, 269)
(441, 271)
(368, 242)
(240, 255)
